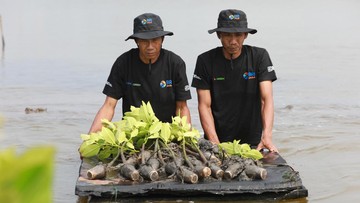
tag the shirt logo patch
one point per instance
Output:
(165, 83)
(108, 83)
(133, 84)
(219, 78)
(196, 77)
(270, 68)
(187, 88)
(249, 75)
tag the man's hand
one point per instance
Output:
(266, 143)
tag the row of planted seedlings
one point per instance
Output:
(140, 147)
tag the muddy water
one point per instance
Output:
(58, 55)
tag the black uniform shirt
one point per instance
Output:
(234, 89)
(162, 83)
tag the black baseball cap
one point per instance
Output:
(148, 26)
(232, 20)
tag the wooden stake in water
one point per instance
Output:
(2, 41)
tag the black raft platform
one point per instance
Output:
(282, 182)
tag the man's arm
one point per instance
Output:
(206, 117)
(184, 110)
(106, 112)
(267, 116)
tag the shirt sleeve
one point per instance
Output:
(182, 88)
(114, 85)
(266, 69)
(201, 76)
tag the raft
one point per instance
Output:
(282, 182)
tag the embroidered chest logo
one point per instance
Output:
(133, 84)
(165, 83)
(249, 75)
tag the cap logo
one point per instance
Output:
(234, 17)
(146, 21)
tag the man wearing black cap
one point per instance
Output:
(147, 73)
(234, 86)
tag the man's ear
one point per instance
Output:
(246, 34)
(218, 34)
(136, 42)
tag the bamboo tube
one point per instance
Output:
(216, 171)
(128, 171)
(233, 170)
(96, 172)
(148, 173)
(170, 168)
(202, 171)
(255, 172)
(188, 176)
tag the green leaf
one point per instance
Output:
(150, 109)
(131, 122)
(143, 132)
(85, 137)
(190, 134)
(184, 123)
(227, 147)
(105, 152)
(122, 124)
(121, 137)
(87, 150)
(93, 138)
(134, 133)
(253, 154)
(134, 112)
(179, 136)
(154, 136)
(176, 120)
(28, 177)
(143, 113)
(106, 123)
(130, 145)
(242, 150)
(139, 143)
(155, 127)
(140, 124)
(165, 132)
(108, 136)
(245, 148)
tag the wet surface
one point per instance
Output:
(282, 182)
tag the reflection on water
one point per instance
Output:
(59, 53)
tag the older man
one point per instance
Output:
(147, 73)
(234, 86)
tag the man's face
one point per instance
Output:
(149, 49)
(232, 42)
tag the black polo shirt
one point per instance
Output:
(234, 88)
(162, 83)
